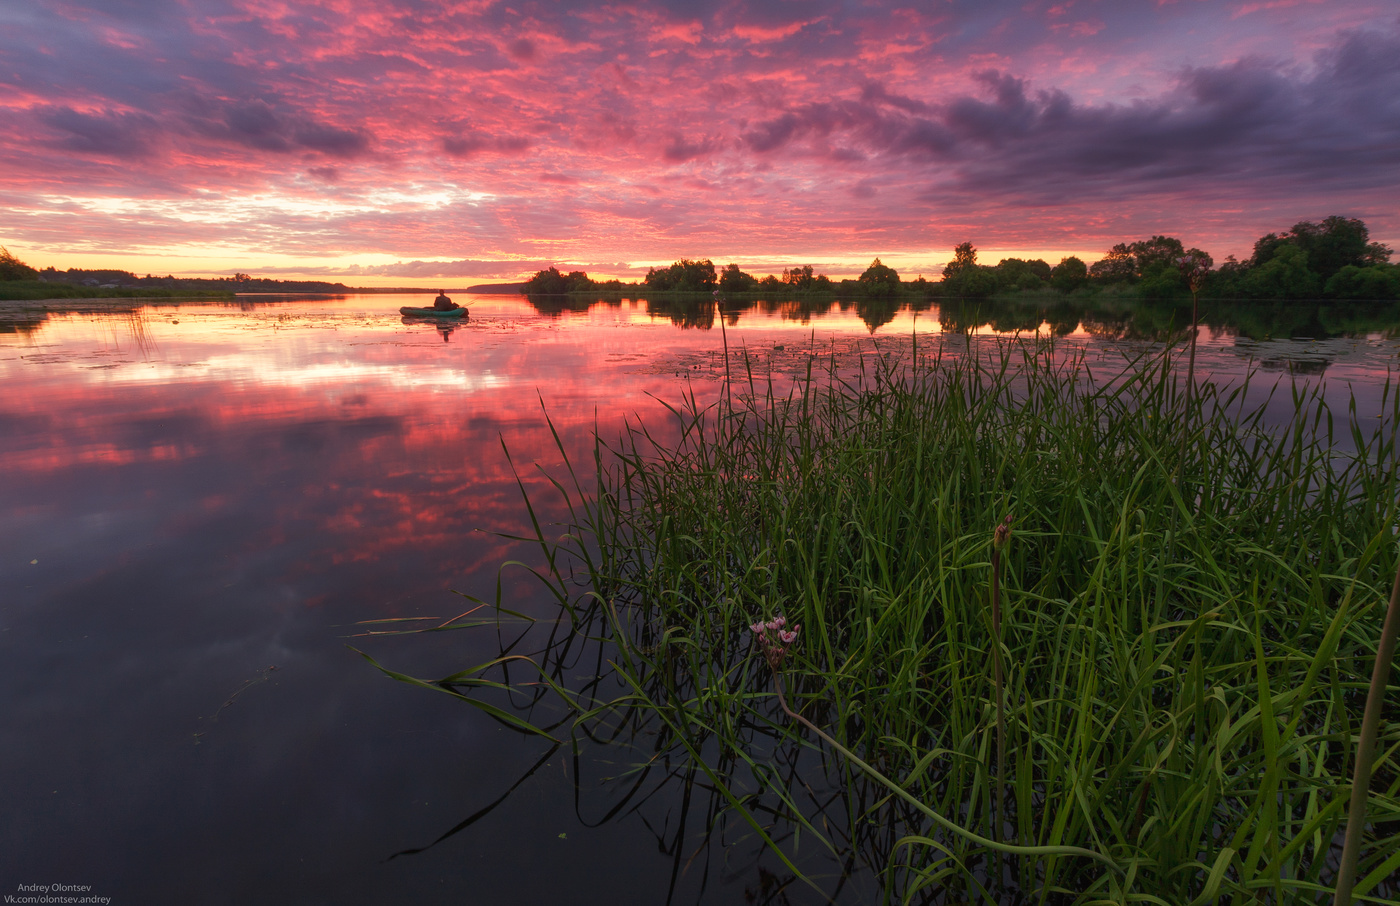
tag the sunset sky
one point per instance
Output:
(407, 142)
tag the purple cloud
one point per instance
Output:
(124, 135)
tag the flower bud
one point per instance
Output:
(1002, 534)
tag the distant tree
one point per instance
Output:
(879, 280)
(1265, 247)
(1224, 282)
(1376, 254)
(1160, 253)
(550, 282)
(1134, 261)
(1070, 274)
(658, 279)
(733, 280)
(547, 282)
(963, 276)
(684, 276)
(973, 282)
(11, 268)
(799, 278)
(1017, 274)
(770, 283)
(1284, 276)
(1119, 265)
(964, 258)
(1333, 244)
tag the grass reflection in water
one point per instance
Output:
(1190, 609)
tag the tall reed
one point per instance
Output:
(1196, 598)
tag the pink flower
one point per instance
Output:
(774, 639)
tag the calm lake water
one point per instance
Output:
(198, 503)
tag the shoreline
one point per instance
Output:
(106, 303)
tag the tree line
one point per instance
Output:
(700, 276)
(13, 269)
(1331, 259)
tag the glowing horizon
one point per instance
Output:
(427, 142)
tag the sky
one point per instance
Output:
(415, 142)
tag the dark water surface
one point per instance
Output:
(199, 502)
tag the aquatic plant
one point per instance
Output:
(1366, 751)
(1194, 594)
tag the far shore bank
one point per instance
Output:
(107, 303)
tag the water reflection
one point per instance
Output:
(627, 764)
(1107, 316)
(441, 325)
(194, 492)
(200, 493)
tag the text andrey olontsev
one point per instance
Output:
(56, 893)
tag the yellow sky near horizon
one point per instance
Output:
(213, 263)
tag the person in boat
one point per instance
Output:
(442, 303)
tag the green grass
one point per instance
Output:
(1190, 608)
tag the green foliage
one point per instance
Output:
(1154, 261)
(1069, 275)
(550, 282)
(1158, 254)
(1117, 266)
(1335, 243)
(805, 280)
(1308, 261)
(972, 282)
(1379, 281)
(964, 258)
(799, 278)
(733, 280)
(1013, 274)
(964, 277)
(1265, 247)
(683, 276)
(1285, 276)
(121, 283)
(879, 280)
(1161, 284)
(11, 268)
(1191, 600)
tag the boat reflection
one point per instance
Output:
(441, 325)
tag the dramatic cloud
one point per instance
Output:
(297, 138)
(1250, 124)
(106, 135)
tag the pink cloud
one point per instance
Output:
(424, 130)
